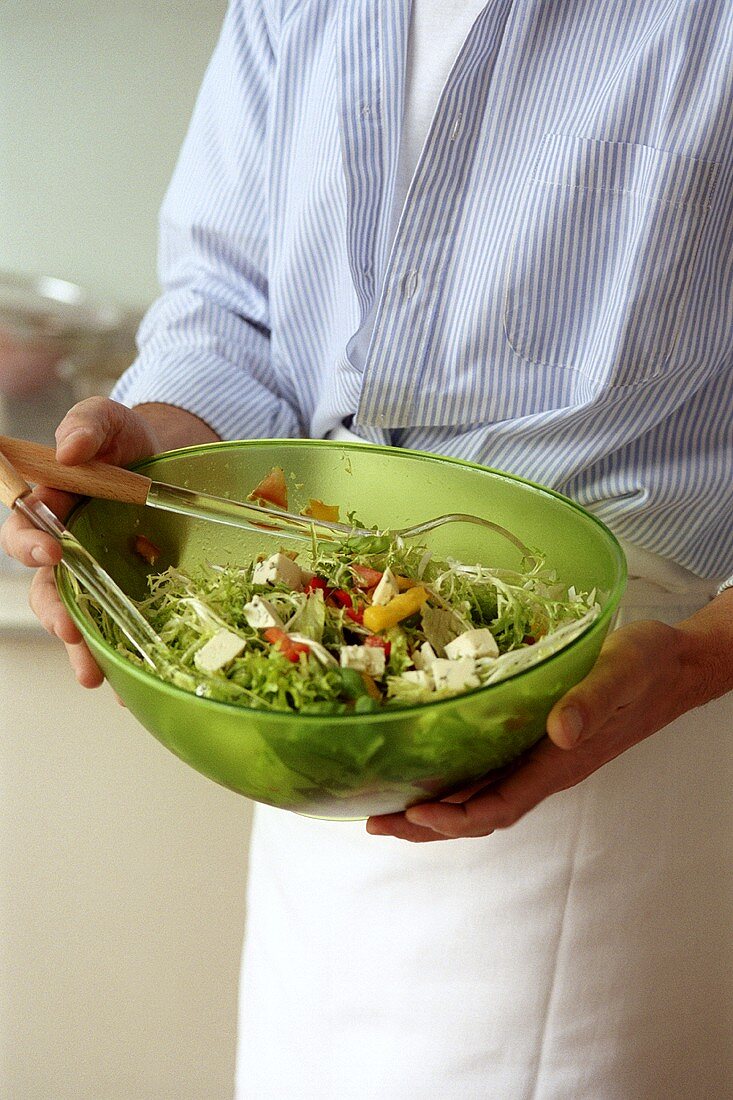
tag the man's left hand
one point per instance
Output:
(647, 675)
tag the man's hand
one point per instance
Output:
(647, 675)
(105, 430)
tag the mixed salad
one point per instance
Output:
(355, 624)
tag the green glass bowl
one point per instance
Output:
(348, 767)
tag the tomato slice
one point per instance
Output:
(146, 549)
(272, 489)
(367, 578)
(382, 643)
(282, 640)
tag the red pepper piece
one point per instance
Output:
(317, 583)
(356, 614)
(341, 598)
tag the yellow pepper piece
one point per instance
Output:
(318, 510)
(400, 607)
(403, 583)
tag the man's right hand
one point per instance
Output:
(102, 429)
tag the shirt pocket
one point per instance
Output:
(603, 255)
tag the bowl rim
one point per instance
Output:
(387, 713)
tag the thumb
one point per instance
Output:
(104, 429)
(610, 686)
(78, 444)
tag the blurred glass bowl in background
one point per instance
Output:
(351, 766)
(51, 329)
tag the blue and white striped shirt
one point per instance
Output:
(558, 298)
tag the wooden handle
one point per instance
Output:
(12, 485)
(88, 479)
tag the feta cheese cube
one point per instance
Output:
(220, 649)
(364, 658)
(454, 675)
(279, 569)
(473, 643)
(418, 678)
(260, 614)
(386, 590)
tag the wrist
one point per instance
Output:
(705, 643)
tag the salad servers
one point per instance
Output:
(15, 494)
(101, 480)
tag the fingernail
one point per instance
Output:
(572, 724)
(41, 556)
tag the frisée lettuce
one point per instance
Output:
(355, 625)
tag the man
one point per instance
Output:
(499, 231)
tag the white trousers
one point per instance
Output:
(584, 953)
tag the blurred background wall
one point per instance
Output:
(121, 870)
(95, 98)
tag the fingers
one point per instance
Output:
(52, 614)
(97, 427)
(49, 610)
(397, 825)
(420, 827)
(545, 770)
(30, 546)
(21, 540)
(542, 771)
(86, 670)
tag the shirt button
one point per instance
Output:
(457, 127)
(409, 283)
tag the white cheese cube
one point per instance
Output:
(260, 614)
(473, 643)
(222, 648)
(364, 658)
(454, 675)
(279, 569)
(424, 657)
(417, 678)
(386, 590)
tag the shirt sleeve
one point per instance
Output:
(205, 343)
